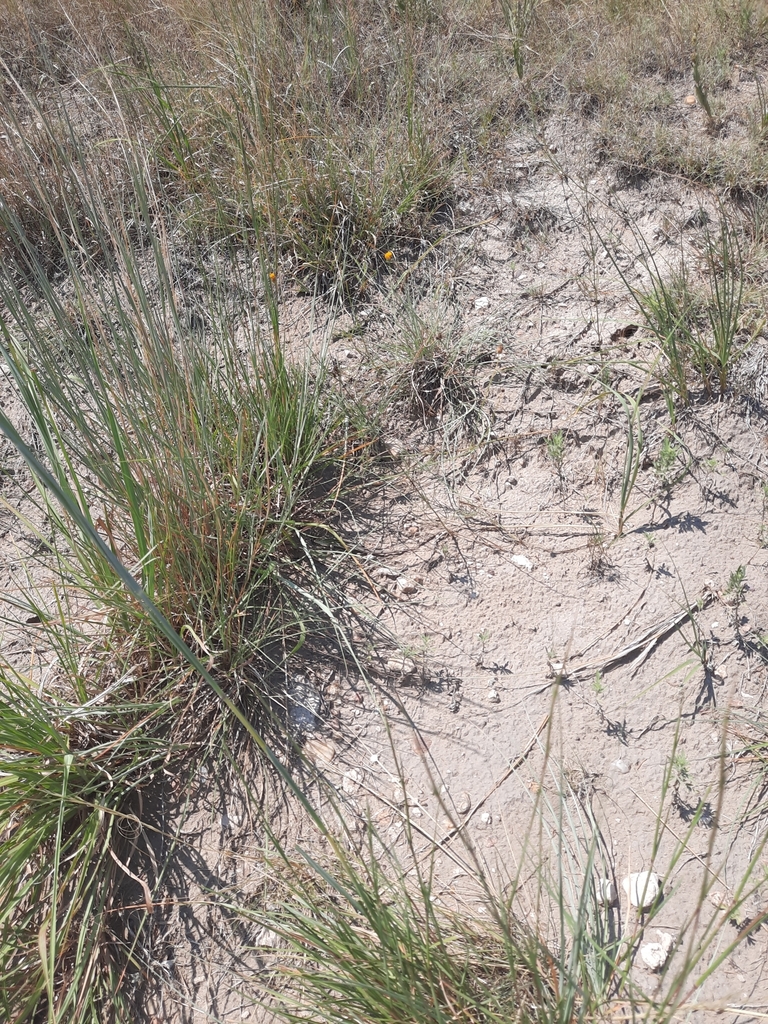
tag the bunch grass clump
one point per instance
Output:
(192, 478)
(702, 323)
(201, 453)
(369, 943)
(431, 371)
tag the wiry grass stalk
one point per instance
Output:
(633, 453)
(519, 16)
(725, 272)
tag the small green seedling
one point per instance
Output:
(681, 769)
(666, 458)
(632, 455)
(556, 449)
(734, 591)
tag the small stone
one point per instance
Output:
(464, 804)
(385, 573)
(482, 303)
(655, 954)
(266, 937)
(485, 818)
(393, 446)
(690, 100)
(605, 892)
(400, 666)
(447, 822)
(320, 751)
(406, 585)
(521, 561)
(399, 796)
(350, 781)
(493, 696)
(394, 831)
(621, 766)
(643, 888)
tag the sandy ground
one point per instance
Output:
(539, 649)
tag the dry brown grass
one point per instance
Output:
(332, 133)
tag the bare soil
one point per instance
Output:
(536, 643)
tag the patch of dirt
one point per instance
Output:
(546, 644)
(537, 643)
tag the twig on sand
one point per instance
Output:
(497, 785)
(643, 645)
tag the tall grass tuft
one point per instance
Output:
(206, 457)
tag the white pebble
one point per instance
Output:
(350, 781)
(656, 954)
(606, 892)
(266, 937)
(642, 887)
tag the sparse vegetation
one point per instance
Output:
(190, 194)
